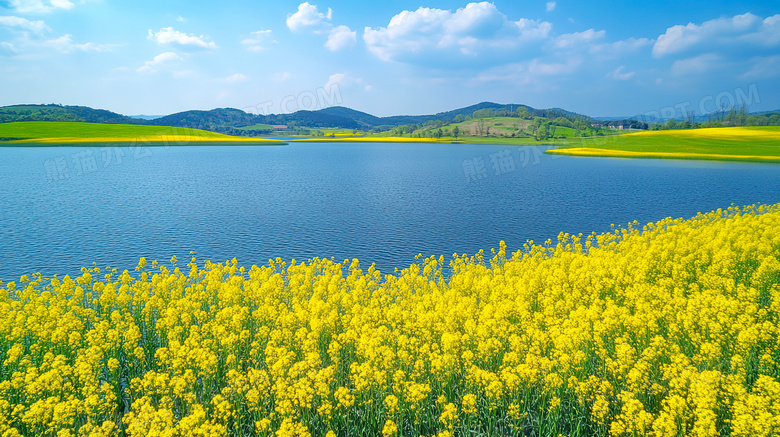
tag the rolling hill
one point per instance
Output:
(230, 120)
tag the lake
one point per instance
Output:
(66, 207)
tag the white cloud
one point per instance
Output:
(630, 45)
(345, 81)
(570, 40)
(539, 67)
(696, 65)
(335, 79)
(309, 19)
(7, 47)
(537, 74)
(258, 40)
(24, 24)
(158, 60)
(737, 31)
(65, 44)
(235, 78)
(40, 6)
(181, 19)
(618, 48)
(341, 37)
(768, 66)
(550, 6)
(478, 30)
(619, 74)
(168, 35)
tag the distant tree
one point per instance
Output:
(455, 132)
(484, 113)
(480, 126)
(459, 118)
(542, 133)
(523, 113)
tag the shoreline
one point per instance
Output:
(608, 153)
(174, 141)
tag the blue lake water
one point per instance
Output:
(62, 208)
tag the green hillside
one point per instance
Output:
(49, 133)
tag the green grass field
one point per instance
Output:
(66, 133)
(257, 127)
(758, 143)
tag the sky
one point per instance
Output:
(608, 58)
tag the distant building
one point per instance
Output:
(280, 126)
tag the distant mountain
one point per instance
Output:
(208, 120)
(347, 113)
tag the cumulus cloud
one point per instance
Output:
(696, 65)
(746, 30)
(23, 24)
(65, 44)
(158, 60)
(309, 19)
(477, 30)
(341, 37)
(258, 40)
(168, 35)
(550, 6)
(335, 79)
(618, 48)
(578, 39)
(345, 81)
(40, 6)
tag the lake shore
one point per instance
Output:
(606, 153)
(743, 144)
(43, 133)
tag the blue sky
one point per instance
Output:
(394, 57)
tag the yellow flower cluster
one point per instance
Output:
(663, 330)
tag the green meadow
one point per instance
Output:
(260, 126)
(754, 143)
(66, 133)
